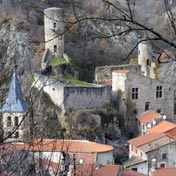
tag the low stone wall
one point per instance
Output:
(104, 73)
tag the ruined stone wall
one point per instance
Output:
(78, 97)
(104, 73)
(74, 97)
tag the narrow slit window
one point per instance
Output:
(55, 48)
(54, 25)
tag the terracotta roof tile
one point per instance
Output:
(84, 170)
(167, 171)
(144, 139)
(93, 170)
(162, 127)
(132, 173)
(148, 116)
(109, 170)
(77, 146)
(80, 146)
(121, 71)
(87, 158)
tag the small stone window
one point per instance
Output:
(147, 105)
(16, 121)
(9, 121)
(55, 48)
(135, 93)
(158, 91)
(54, 25)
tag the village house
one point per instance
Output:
(153, 150)
(167, 171)
(147, 120)
(163, 127)
(60, 155)
(133, 98)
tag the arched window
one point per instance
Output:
(16, 121)
(9, 121)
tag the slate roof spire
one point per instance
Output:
(14, 101)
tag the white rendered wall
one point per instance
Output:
(143, 56)
(118, 82)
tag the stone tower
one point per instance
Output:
(146, 60)
(54, 27)
(14, 110)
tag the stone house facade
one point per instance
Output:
(139, 93)
(151, 151)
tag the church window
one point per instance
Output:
(158, 91)
(135, 93)
(55, 48)
(9, 121)
(16, 121)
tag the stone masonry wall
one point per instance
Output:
(104, 73)
(77, 97)
(147, 93)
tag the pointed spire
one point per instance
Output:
(14, 101)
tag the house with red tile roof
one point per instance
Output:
(97, 170)
(147, 120)
(167, 171)
(137, 93)
(162, 127)
(145, 149)
(132, 173)
(62, 153)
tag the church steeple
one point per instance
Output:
(14, 101)
(14, 112)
